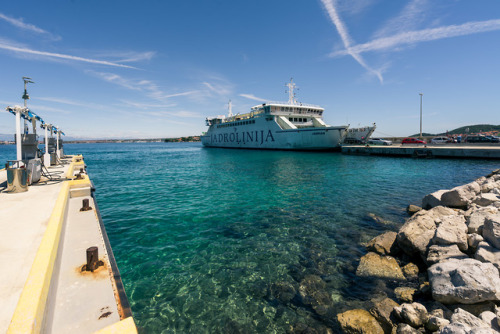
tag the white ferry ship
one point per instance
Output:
(359, 135)
(275, 126)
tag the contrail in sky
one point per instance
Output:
(61, 56)
(425, 35)
(26, 26)
(346, 39)
(252, 97)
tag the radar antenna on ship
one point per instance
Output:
(291, 94)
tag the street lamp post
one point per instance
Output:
(421, 114)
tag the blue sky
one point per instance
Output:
(146, 69)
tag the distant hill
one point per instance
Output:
(474, 129)
(471, 129)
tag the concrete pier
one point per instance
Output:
(44, 236)
(468, 151)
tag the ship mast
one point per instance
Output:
(230, 107)
(291, 94)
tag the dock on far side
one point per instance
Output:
(48, 282)
(463, 151)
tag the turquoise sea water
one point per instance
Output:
(221, 241)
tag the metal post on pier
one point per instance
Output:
(421, 114)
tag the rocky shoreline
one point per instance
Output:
(445, 261)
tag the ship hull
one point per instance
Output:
(268, 135)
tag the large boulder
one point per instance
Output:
(432, 200)
(491, 319)
(312, 291)
(374, 265)
(451, 231)
(461, 196)
(436, 323)
(443, 253)
(416, 234)
(463, 317)
(383, 312)
(466, 281)
(486, 253)
(491, 230)
(359, 322)
(486, 199)
(383, 244)
(475, 220)
(489, 185)
(414, 314)
(455, 329)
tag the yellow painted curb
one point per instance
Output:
(30, 309)
(72, 167)
(126, 326)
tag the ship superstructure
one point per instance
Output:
(275, 125)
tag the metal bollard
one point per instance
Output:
(85, 205)
(92, 258)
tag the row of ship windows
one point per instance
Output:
(297, 120)
(298, 110)
(251, 121)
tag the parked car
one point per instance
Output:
(441, 140)
(482, 139)
(379, 141)
(412, 140)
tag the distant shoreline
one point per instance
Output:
(189, 139)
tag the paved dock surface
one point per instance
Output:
(427, 151)
(23, 221)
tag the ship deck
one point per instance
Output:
(44, 239)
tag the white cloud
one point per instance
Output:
(26, 26)
(130, 57)
(218, 88)
(37, 107)
(425, 35)
(151, 89)
(346, 39)
(62, 101)
(409, 19)
(253, 97)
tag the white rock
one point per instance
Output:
(461, 196)
(491, 319)
(436, 323)
(476, 219)
(486, 199)
(416, 234)
(439, 253)
(414, 314)
(491, 230)
(488, 185)
(455, 329)
(468, 319)
(486, 253)
(452, 231)
(432, 200)
(474, 239)
(466, 281)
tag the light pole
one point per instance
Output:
(421, 114)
